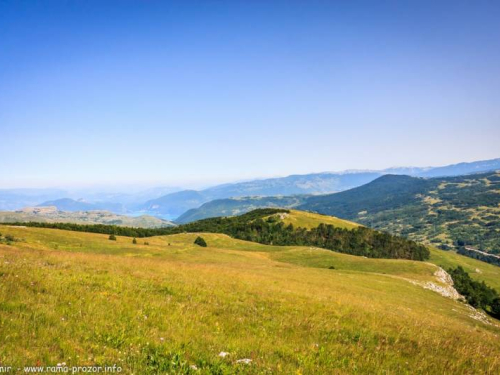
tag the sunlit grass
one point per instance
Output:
(310, 220)
(80, 298)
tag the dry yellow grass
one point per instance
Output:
(310, 220)
(79, 298)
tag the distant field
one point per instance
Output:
(52, 215)
(80, 298)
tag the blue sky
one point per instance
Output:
(190, 93)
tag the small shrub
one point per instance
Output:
(112, 237)
(10, 238)
(331, 267)
(146, 243)
(200, 242)
(273, 219)
(134, 241)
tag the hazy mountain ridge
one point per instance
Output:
(51, 214)
(71, 205)
(171, 201)
(176, 203)
(398, 195)
(319, 183)
(15, 199)
(316, 183)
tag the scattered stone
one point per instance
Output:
(446, 290)
(480, 316)
(246, 361)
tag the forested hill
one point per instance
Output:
(451, 211)
(267, 226)
(238, 206)
(176, 204)
(386, 192)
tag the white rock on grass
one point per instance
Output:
(246, 361)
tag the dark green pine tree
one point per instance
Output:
(200, 242)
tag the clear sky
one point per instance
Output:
(210, 91)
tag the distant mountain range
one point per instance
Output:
(318, 183)
(71, 205)
(171, 202)
(448, 212)
(15, 199)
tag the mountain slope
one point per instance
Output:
(315, 183)
(237, 206)
(386, 192)
(462, 169)
(141, 305)
(266, 226)
(450, 211)
(175, 204)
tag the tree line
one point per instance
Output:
(483, 257)
(477, 294)
(265, 227)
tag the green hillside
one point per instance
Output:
(267, 226)
(171, 306)
(237, 206)
(309, 220)
(446, 212)
(176, 204)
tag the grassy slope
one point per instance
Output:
(80, 298)
(311, 220)
(478, 270)
(481, 271)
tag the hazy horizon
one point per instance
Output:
(192, 95)
(137, 186)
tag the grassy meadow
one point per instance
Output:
(310, 220)
(173, 307)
